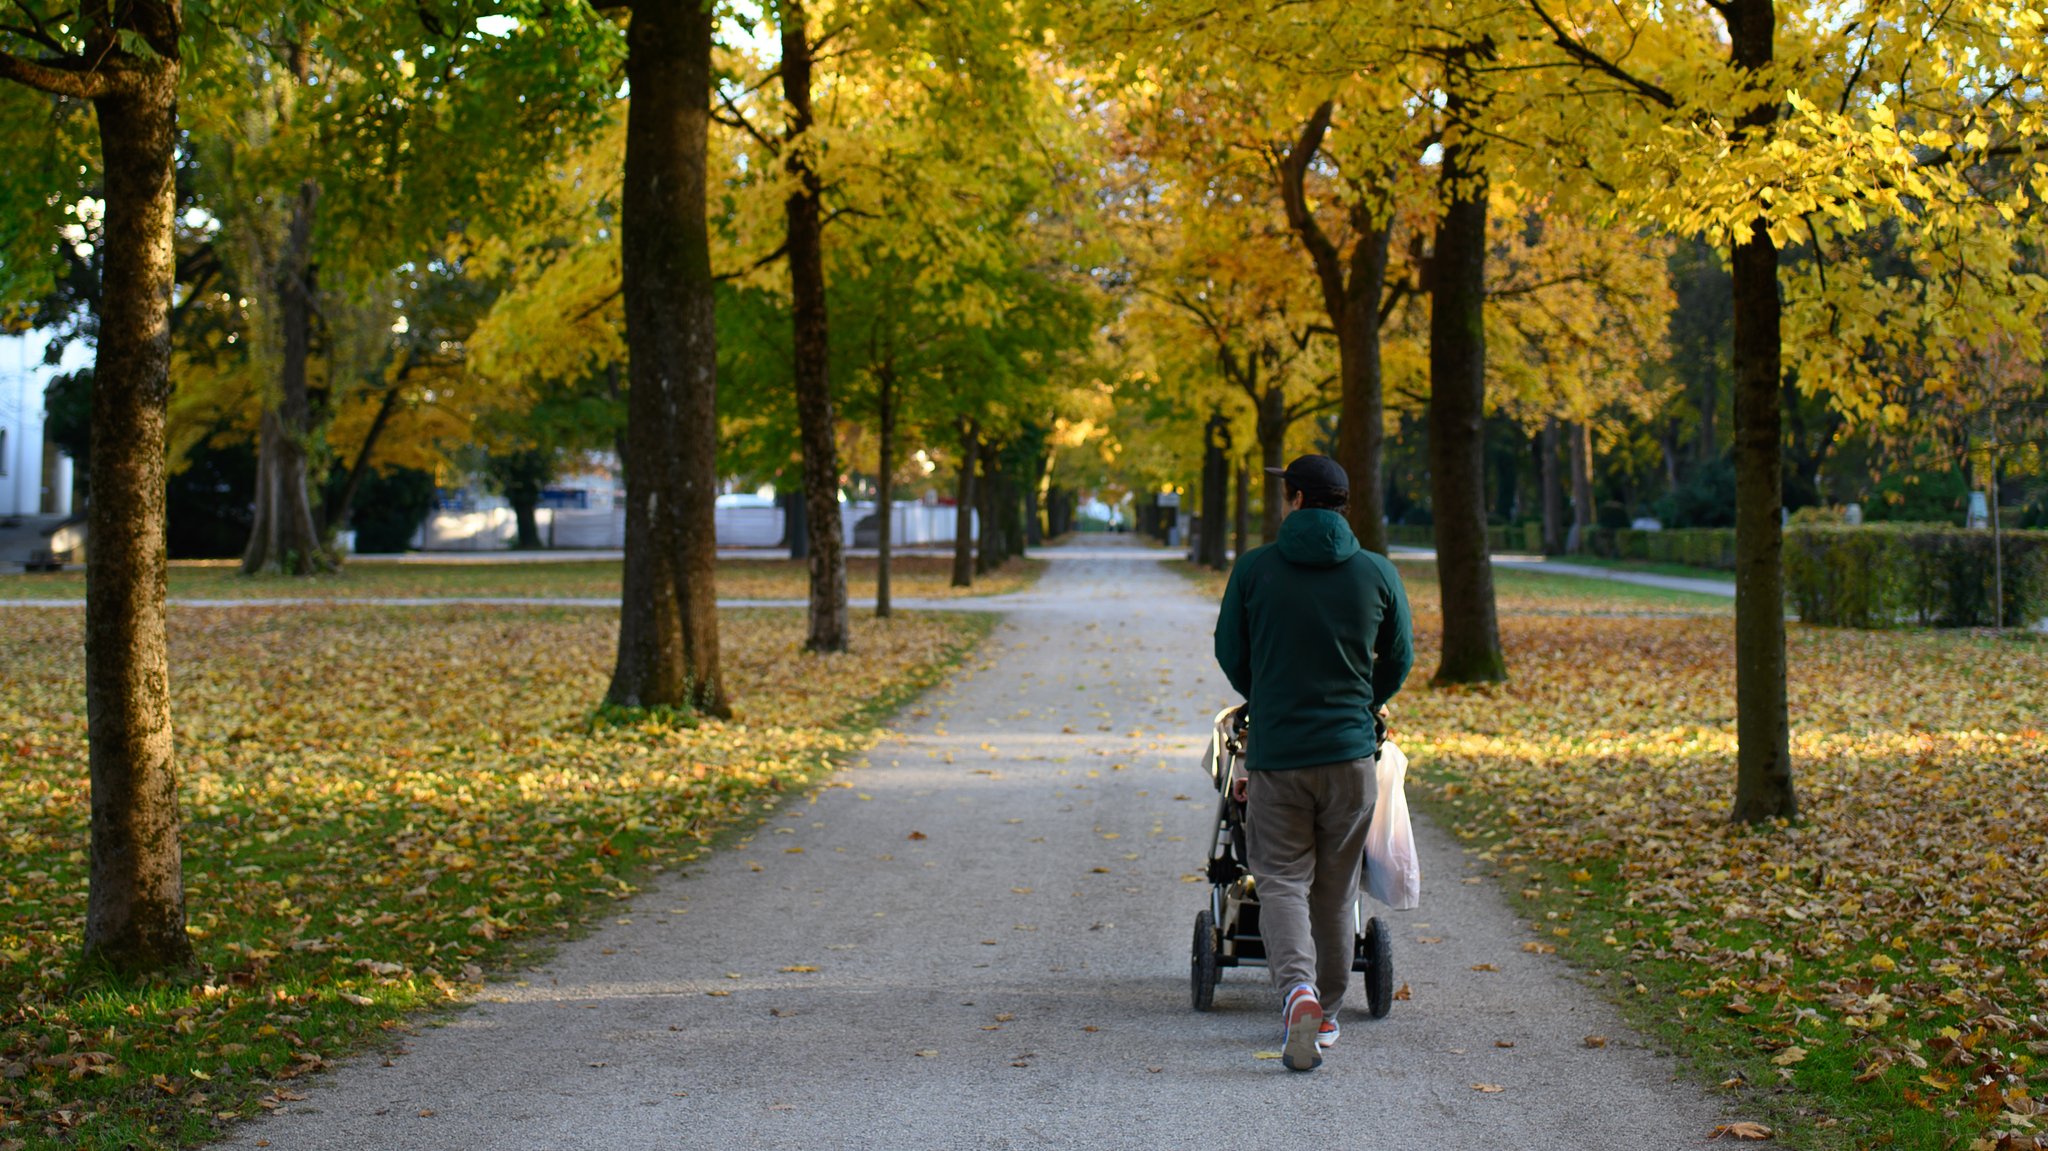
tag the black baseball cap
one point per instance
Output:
(1314, 474)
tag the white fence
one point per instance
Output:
(496, 528)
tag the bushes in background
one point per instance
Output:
(1883, 575)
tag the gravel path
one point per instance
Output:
(978, 938)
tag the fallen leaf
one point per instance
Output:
(1596, 1041)
(1484, 967)
(1488, 1088)
(1742, 1130)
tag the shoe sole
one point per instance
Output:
(1301, 1052)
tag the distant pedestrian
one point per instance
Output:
(1314, 633)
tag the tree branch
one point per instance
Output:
(58, 79)
(1577, 50)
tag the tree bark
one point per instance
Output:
(283, 537)
(1215, 492)
(135, 902)
(1551, 443)
(1244, 499)
(1272, 432)
(885, 485)
(1763, 778)
(1457, 440)
(1352, 286)
(668, 621)
(988, 556)
(829, 628)
(796, 524)
(1579, 435)
(338, 516)
(963, 505)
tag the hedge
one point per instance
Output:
(1881, 575)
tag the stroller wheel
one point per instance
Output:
(1379, 967)
(1202, 966)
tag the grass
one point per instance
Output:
(1649, 567)
(1874, 974)
(1518, 591)
(925, 576)
(381, 809)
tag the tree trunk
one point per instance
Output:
(525, 515)
(1580, 436)
(1457, 440)
(1216, 492)
(885, 487)
(339, 516)
(1550, 444)
(1361, 429)
(135, 901)
(796, 524)
(283, 537)
(1763, 778)
(1272, 431)
(988, 556)
(668, 620)
(1351, 286)
(963, 506)
(1244, 499)
(829, 628)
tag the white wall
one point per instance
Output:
(492, 526)
(23, 376)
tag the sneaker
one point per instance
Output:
(1303, 1018)
(1326, 1035)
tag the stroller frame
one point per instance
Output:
(1227, 932)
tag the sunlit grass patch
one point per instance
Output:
(381, 807)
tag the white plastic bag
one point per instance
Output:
(1393, 873)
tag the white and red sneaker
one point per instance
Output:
(1326, 1035)
(1303, 1018)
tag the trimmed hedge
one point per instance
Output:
(1881, 575)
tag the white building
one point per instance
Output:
(30, 484)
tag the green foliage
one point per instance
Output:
(389, 507)
(1706, 500)
(1693, 547)
(1880, 576)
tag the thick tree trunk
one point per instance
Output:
(526, 517)
(988, 556)
(963, 505)
(1550, 443)
(1579, 434)
(829, 627)
(1361, 429)
(1457, 439)
(135, 902)
(1272, 432)
(668, 621)
(1352, 286)
(885, 487)
(283, 537)
(1244, 513)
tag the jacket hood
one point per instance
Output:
(1316, 537)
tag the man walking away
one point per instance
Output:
(1314, 634)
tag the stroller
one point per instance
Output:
(1227, 934)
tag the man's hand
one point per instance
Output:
(1386, 721)
(1238, 787)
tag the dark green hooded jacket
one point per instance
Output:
(1314, 632)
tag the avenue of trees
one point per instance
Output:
(1715, 254)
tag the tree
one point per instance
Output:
(668, 626)
(1707, 129)
(126, 61)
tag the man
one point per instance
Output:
(1314, 634)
